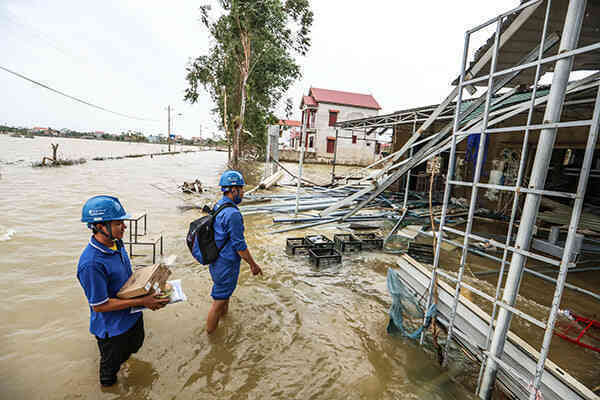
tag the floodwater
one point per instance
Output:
(294, 333)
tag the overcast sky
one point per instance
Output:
(130, 56)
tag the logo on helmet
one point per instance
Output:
(93, 212)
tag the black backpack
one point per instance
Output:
(203, 229)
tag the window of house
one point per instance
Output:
(330, 145)
(333, 114)
(311, 142)
(354, 139)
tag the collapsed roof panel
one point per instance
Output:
(522, 31)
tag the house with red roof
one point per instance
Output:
(322, 108)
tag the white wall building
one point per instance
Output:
(325, 108)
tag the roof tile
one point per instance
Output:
(345, 98)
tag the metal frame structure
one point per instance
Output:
(384, 122)
(463, 124)
(467, 121)
(420, 114)
(134, 236)
(505, 307)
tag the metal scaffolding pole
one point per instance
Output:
(337, 130)
(569, 40)
(518, 183)
(473, 202)
(410, 170)
(571, 239)
(301, 161)
(447, 190)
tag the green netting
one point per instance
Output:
(405, 306)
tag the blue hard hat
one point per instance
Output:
(102, 209)
(231, 178)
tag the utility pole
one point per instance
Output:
(169, 126)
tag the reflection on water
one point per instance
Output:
(295, 332)
(6, 233)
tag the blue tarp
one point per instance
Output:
(473, 149)
(404, 304)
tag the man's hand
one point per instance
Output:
(255, 269)
(153, 303)
(245, 254)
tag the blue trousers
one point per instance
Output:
(224, 274)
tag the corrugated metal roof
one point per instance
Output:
(514, 99)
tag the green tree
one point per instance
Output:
(250, 65)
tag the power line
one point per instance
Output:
(75, 98)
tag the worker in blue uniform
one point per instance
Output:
(103, 268)
(229, 237)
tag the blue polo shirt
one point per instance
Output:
(228, 224)
(102, 272)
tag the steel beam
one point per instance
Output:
(301, 161)
(569, 40)
(571, 242)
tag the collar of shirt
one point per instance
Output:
(226, 199)
(100, 247)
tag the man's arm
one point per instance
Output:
(238, 243)
(245, 254)
(94, 282)
(114, 304)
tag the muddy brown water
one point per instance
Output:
(296, 332)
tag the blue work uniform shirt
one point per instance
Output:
(102, 272)
(228, 224)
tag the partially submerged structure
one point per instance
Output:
(542, 149)
(536, 37)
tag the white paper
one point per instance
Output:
(176, 296)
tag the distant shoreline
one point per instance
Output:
(107, 138)
(66, 162)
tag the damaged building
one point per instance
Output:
(516, 142)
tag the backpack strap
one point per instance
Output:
(221, 207)
(214, 215)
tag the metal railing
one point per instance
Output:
(504, 307)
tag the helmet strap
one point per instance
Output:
(109, 229)
(108, 235)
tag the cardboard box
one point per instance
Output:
(145, 280)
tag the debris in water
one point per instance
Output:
(192, 187)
